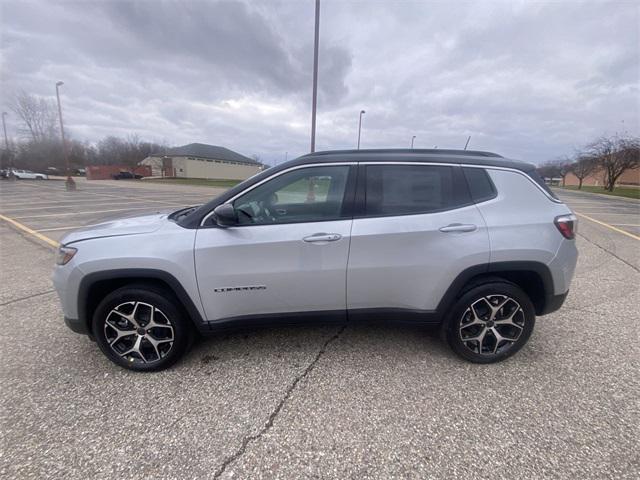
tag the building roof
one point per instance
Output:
(202, 150)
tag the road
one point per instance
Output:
(619, 237)
(317, 402)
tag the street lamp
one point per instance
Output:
(70, 184)
(314, 100)
(412, 139)
(362, 112)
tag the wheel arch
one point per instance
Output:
(534, 278)
(95, 286)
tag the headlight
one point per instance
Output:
(65, 254)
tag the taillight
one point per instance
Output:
(567, 225)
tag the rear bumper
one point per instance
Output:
(553, 303)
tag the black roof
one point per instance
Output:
(422, 151)
(467, 157)
(202, 150)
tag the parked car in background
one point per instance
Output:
(469, 241)
(29, 175)
(126, 176)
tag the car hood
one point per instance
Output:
(132, 225)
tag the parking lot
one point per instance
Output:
(352, 401)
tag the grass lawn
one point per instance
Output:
(219, 183)
(629, 192)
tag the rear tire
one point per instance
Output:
(140, 328)
(490, 322)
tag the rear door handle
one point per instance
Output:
(322, 237)
(459, 227)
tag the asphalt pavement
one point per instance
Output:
(319, 402)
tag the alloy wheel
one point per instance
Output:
(139, 332)
(492, 324)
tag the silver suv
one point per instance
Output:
(469, 241)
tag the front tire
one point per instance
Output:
(139, 328)
(490, 322)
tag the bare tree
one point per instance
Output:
(583, 167)
(555, 168)
(615, 156)
(37, 114)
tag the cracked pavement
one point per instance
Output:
(327, 401)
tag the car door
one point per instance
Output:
(415, 230)
(287, 255)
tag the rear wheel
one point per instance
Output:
(140, 328)
(490, 322)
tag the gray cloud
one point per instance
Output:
(529, 80)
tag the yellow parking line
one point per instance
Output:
(608, 226)
(26, 229)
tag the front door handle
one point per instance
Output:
(459, 227)
(322, 237)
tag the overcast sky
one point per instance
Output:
(529, 80)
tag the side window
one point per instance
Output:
(407, 189)
(480, 185)
(310, 194)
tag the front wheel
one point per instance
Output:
(140, 328)
(490, 322)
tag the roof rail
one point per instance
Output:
(423, 151)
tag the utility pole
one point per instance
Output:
(315, 78)
(467, 144)
(362, 112)
(69, 183)
(412, 139)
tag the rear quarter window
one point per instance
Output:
(480, 185)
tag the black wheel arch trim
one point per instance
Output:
(466, 276)
(139, 274)
(551, 302)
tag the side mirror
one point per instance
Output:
(225, 215)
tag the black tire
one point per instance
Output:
(464, 326)
(171, 330)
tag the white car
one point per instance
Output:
(29, 175)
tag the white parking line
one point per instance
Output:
(91, 212)
(15, 210)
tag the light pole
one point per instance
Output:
(314, 100)
(412, 139)
(467, 144)
(6, 145)
(4, 126)
(70, 184)
(362, 112)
